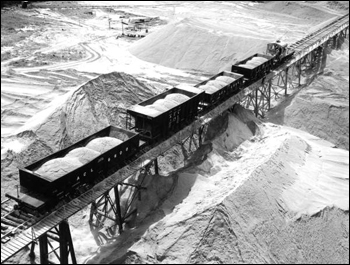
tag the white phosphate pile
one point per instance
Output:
(213, 86)
(281, 196)
(162, 105)
(192, 44)
(254, 62)
(76, 158)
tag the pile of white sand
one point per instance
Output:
(58, 167)
(179, 98)
(322, 108)
(213, 86)
(84, 154)
(145, 110)
(166, 103)
(254, 62)
(103, 144)
(162, 105)
(192, 44)
(225, 79)
(280, 196)
(217, 84)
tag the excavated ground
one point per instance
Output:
(248, 199)
(254, 193)
(322, 108)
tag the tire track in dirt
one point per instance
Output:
(92, 56)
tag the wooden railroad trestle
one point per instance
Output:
(109, 213)
(56, 245)
(56, 241)
(276, 86)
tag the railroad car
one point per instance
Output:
(254, 67)
(215, 93)
(165, 113)
(41, 191)
(280, 51)
(147, 123)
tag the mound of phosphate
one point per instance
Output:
(58, 167)
(257, 60)
(248, 66)
(216, 83)
(166, 103)
(208, 88)
(88, 109)
(192, 44)
(322, 108)
(309, 13)
(83, 154)
(103, 144)
(145, 110)
(158, 108)
(177, 97)
(240, 211)
(238, 205)
(225, 79)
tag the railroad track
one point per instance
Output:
(311, 42)
(18, 228)
(312, 38)
(13, 221)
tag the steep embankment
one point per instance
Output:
(282, 196)
(322, 108)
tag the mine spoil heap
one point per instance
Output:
(255, 192)
(272, 196)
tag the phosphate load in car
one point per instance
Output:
(254, 67)
(219, 87)
(165, 113)
(73, 170)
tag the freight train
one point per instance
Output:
(66, 174)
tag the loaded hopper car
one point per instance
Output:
(254, 67)
(165, 113)
(80, 165)
(220, 87)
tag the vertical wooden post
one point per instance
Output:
(44, 251)
(63, 243)
(66, 243)
(119, 212)
(156, 168)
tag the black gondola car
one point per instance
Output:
(37, 191)
(153, 126)
(213, 98)
(256, 72)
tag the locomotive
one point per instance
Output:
(147, 123)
